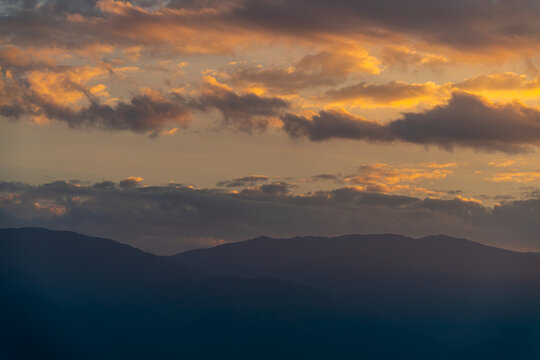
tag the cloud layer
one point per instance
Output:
(60, 59)
(209, 26)
(167, 219)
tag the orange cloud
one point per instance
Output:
(385, 178)
(392, 94)
(131, 182)
(470, 199)
(501, 163)
(17, 56)
(324, 68)
(440, 166)
(170, 131)
(404, 57)
(67, 87)
(51, 207)
(515, 176)
(507, 86)
(462, 30)
(341, 60)
(400, 94)
(380, 172)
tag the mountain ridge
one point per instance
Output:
(64, 295)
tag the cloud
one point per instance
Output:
(385, 178)
(529, 192)
(325, 177)
(502, 82)
(119, 23)
(250, 180)
(334, 124)
(324, 68)
(472, 121)
(463, 25)
(465, 121)
(60, 86)
(502, 163)
(25, 59)
(502, 86)
(204, 27)
(142, 114)
(515, 176)
(395, 179)
(66, 97)
(265, 190)
(131, 182)
(394, 93)
(499, 86)
(167, 219)
(245, 112)
(12, 111)
(405, 58)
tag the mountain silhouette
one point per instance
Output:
(69, 296)
(374, 270)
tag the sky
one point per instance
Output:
(172, 125)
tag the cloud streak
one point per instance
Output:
(465, 121)
(250, 180)
(324, 68)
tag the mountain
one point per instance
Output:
(68, 296)
(374, 270)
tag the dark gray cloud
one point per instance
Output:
(54, 6)
(268, 190)
(326, 177)
(168, 219)
(469, 121)
(334, 124)
(12, 111)
(246, 112)
(465, 121)
(243, 181)
(467, 25)
(528, 191)
(142, 114)
(146, 113)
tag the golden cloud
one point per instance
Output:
(515, 176)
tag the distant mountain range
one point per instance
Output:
(69, 296)
(375, 270)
